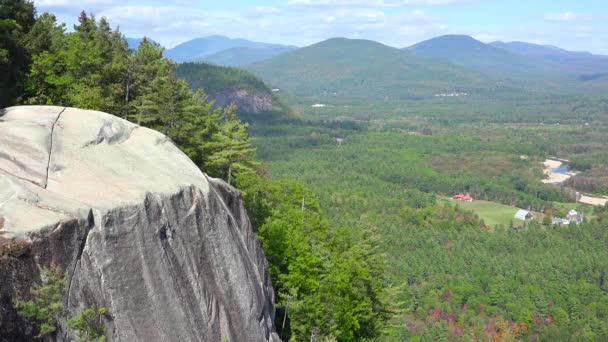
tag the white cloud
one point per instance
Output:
(168, 25)
(429, 2)
(335, 3)
(260, 11)
(486, 37)
(171, 25)
(70, 3)
(564, 16)
(397, 23)
(371, 3)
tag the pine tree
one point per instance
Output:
(198, 133)
(115, 53)
(147, 66)
(235, 154)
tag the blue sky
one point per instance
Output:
(574, 25)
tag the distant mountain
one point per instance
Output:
(468, 52)
(352, 68)
(197, 49)
(534, 50)
(240, 56)
(519, 64)
(568, 61)
(226, 85)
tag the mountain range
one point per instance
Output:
(348, 68)
(521, 64)
(470, 53)
(219, 49)
(359, 68)
(239, 56)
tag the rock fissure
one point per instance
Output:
(90, 225)
(48, 164)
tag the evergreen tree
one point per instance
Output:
(198, 128)
(115, 53)
(147, 66)
(235, 152)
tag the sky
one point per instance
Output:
(580, 25)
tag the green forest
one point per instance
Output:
(453, 275)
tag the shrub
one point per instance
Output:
(88, 324)
(47, 302)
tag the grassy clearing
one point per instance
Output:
(491, 212)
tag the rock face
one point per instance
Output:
(135, 226)
(246, 102)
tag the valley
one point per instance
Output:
(384, 154)
(391, 175)
(346, 189)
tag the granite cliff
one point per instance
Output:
(245, 101)
(135, 226)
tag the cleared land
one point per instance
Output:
(491, 212)
(593, 200)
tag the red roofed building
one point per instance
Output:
(463, 197)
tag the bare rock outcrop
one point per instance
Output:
(246, 101)
(135, 226)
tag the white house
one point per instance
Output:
(523, 215)
(559, 220)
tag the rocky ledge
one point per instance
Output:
(134, 225)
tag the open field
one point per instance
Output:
(593, 200)
(492, 213)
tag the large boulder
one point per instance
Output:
(135, 226)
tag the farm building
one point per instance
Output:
(572, 217)
(523, 215)
(560, 221)
(463, 197)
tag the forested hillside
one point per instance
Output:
(463, 271)
(468, 52)
(523, 65)
(459, 273)
(226, 85)
(362, 69)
